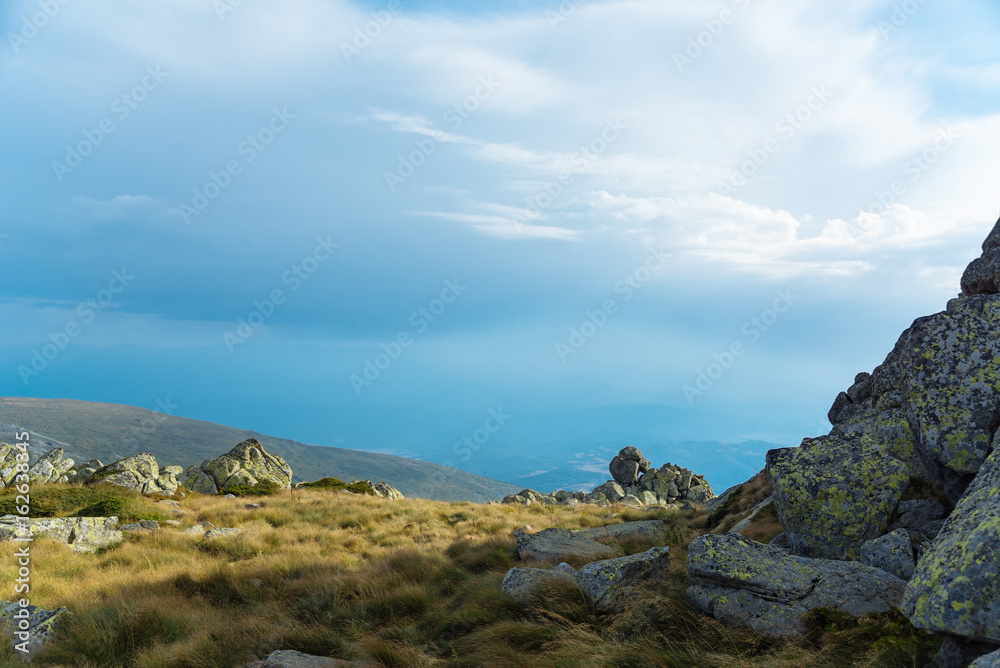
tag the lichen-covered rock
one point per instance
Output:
(84, 471)
(631, 500)
(82, 534)
(633, 454)
(832, 494)
(522, 583)
(221, 533)
(140, 473)
(8, 463)
(246, 464)
(51, 467)
(955, 588)
(991, 660)
(742, 582)
(611, 490)
(558, 544)
(613, 583)
(40, 628)
(198, 481)
(917, 514)
(385, 490)
(982, 276)
(893, 553)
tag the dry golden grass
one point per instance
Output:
(403, 583)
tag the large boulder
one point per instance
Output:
(246, 464)
(387, 491)
(740, 581)
(559, 544)
(611, 490)
(893, 553)
(624, 471)
(524, 583)
(51, 467)
(29, 627)
(832, 494)
(140, 473)
(982, 276)
(82, 534)
(955, 588)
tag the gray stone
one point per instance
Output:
(612, 584)
(745, 522)
(918, 513)
(991, 660)
(246, 464)
(385, 490)
(82, 534)
(631, 500)
(624, 471)
(959, 653)
(893, 553)
(140, 473)
(196, 530)
(955, 588)
(221, 533)
(287, 658)
(41, 626)
(551, 544)
(740, 581)
(611, 490)
(523, 583)
(51, 467)
(632, 453)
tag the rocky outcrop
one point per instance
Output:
(610, 584)
(386, 491)
(52, 467)
(246, 464)
(82, 534)
(139, 473)
(41, 625)
(635, 482)
(739, 581)
(560, 544)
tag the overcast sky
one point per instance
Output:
(532, 205)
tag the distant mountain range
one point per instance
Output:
(88, 430)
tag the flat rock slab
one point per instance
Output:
(742, 582)
(82, 534)
(559, 544)
(292, 659)
(42, 625)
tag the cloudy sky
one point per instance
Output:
(369, 224)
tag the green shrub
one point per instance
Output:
(112, 506)
(266, 488)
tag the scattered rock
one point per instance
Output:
(82, 534)
(523, 583)
(253, 506)
(582, 543)
(52, 467)
(291, 659)
(612, 584)
(41, 626)
(196, 530)
(220, 533)
(740, 581)
(172, 523)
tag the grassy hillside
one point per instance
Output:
(407, 583)
(111, 431)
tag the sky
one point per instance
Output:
(371, 224)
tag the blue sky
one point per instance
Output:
(683, 163)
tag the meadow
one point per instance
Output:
(407, 583)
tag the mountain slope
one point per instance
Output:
(88, 430)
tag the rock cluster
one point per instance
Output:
(140, 473)
(82, 534)
(922, 426)
(634, 482)
(246, 464)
